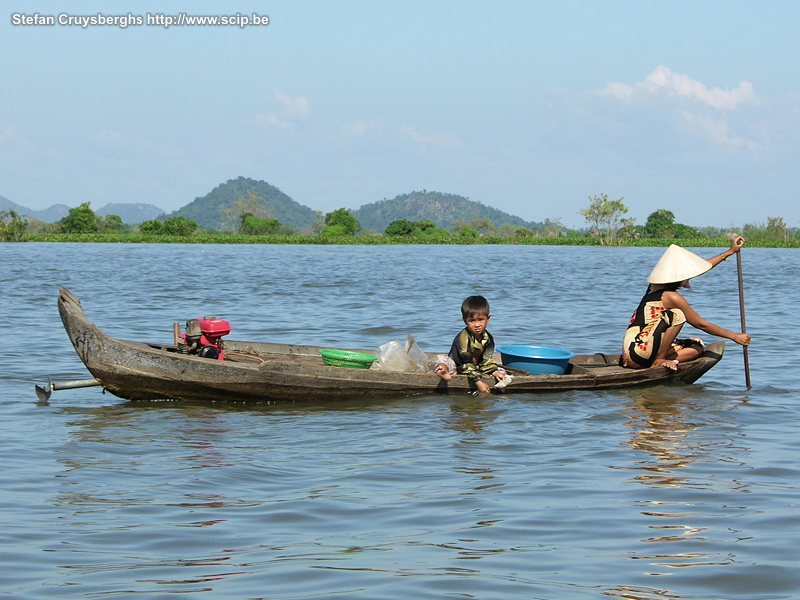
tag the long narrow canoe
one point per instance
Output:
(265, 372)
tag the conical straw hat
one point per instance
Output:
(677, 264)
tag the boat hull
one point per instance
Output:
(266, 372)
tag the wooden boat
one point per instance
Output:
(266, 372)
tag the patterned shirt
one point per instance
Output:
(474, 358)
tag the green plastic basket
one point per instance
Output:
(347, 358)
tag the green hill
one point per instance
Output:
(206, 212)
(442, 209)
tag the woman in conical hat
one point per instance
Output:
(651, 339)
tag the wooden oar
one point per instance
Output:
(44, 392)
(744, 323)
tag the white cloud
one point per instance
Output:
(109, 136)
(6, 133)
(717, 131)
(293, 108)
(442, 140)
(358, 128)
(11, 137)
(665, 81)
(272, 120)
(712, 115)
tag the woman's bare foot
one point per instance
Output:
(442, 371)
(669, 364)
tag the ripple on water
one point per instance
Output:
(674, 492)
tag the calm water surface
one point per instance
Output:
(678, 492)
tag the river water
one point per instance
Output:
(676, 492)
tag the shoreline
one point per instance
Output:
(394, 241)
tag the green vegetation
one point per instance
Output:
(210, 211)
(422, 230)
(174, 226)
(444, 209)
(251, 225)
(774, 230)
(606, 223)
(356, 240)
(81, 219)
(404, 227)
(113, 223)
(13, 228)
(661, 224)
(605, 218)
(340, 223)
(233, 215)
(249, 218)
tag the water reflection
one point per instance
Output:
(669, 429)
(661, 430)
(470, 415)
(669, 426)
(208, 428)
(640, 593)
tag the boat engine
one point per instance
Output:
(203, 337)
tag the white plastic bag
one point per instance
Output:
(391, 357)
(416, 356)
(408, 357)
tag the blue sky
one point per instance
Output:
(529, 107)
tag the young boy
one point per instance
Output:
(473, 349)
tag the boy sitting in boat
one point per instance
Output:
(472, 352)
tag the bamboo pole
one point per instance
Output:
(744, 322)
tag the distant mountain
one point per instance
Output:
(442, 209)
(6, 204)
(131, 214)
(48, 215)
(205, 211)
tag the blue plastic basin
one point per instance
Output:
(537, 360)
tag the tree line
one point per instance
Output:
(250, 216)
(606, 221)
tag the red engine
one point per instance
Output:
(204, 337)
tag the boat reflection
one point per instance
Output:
(669, 429)
(662, 430)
